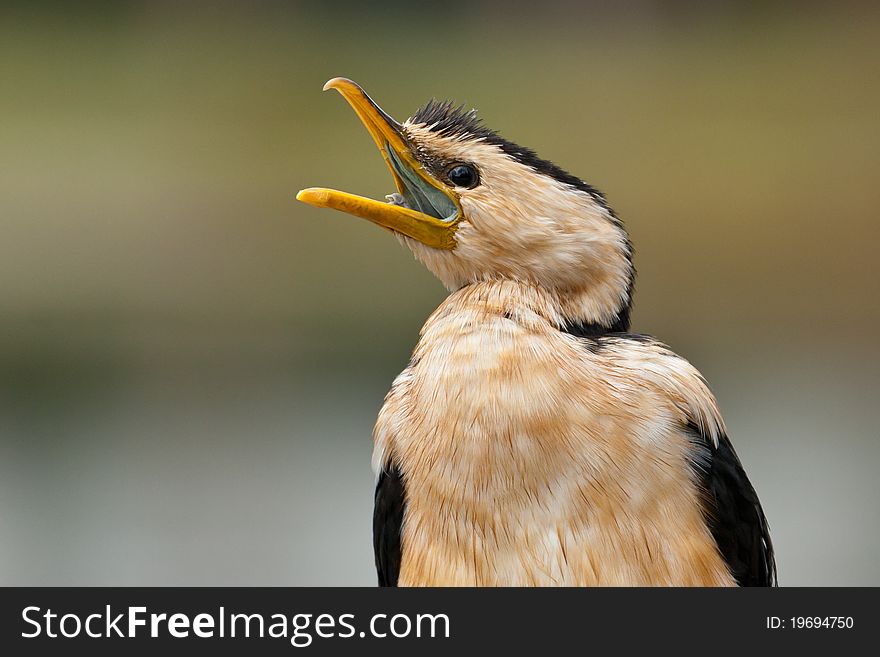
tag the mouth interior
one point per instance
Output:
(417, 193)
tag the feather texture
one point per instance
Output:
(533, 457)
(390, 501)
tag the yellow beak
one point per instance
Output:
(433, 211)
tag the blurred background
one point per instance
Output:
(191, 362)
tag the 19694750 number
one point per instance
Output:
(810, 623)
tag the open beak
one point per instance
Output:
(425, 209)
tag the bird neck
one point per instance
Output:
(571, 311)
(586, 316)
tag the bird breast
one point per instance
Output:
(532, 458)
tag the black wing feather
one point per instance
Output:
(734, 515)
(390, 502)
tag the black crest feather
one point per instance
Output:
(450, 120)
(447, 119)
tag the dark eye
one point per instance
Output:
(463, 175)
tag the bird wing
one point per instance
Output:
(387, 524)
(734, 514)
(729, 502)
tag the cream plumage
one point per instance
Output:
(532, 440)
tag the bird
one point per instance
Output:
(533, 439)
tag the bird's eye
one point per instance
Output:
(463, 175)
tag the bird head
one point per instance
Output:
(473, 206)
